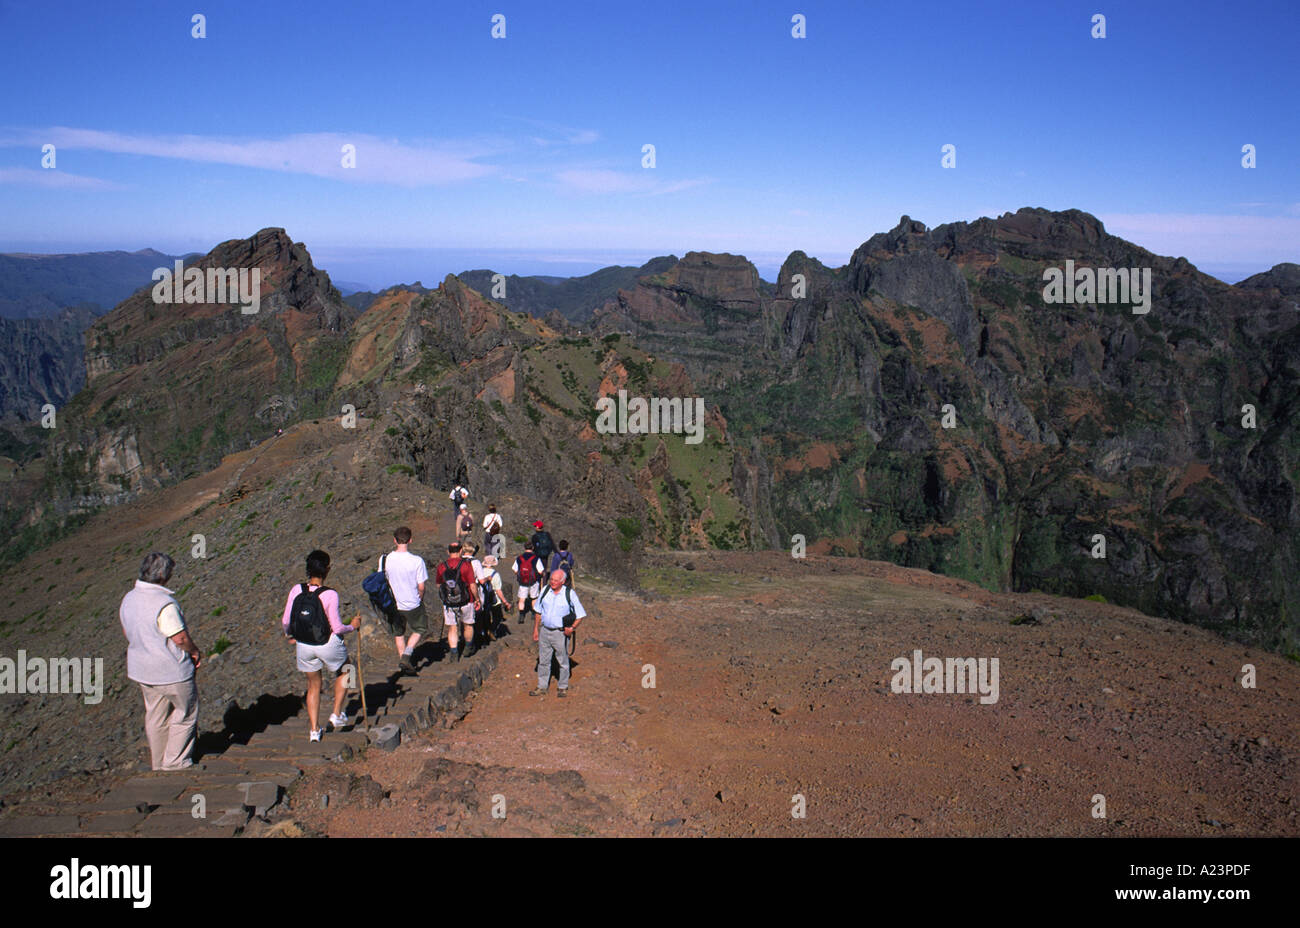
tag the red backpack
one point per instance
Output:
(527, 569)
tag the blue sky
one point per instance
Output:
(527, 150)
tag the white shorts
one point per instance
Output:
(332, 654)
(462, 614)
(530, 592)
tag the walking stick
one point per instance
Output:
(361, 678)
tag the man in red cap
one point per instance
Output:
(543, 543)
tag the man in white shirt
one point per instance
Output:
(551, 633)
(407, 575)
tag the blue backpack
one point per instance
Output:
(562, 560)
(381, 594)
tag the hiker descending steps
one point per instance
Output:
(494, 599)
(458, 588)
(161, 657)
(406, 575)
(543, 544)
(311, 621)
(464, 524)
(528, 569)
(563, 560)
(493, 541)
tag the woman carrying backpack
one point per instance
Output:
(311, 621)
(464, 524)
(495, 603)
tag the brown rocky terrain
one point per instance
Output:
(773, 679)
(774, 672)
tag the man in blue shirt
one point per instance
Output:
(549, 631)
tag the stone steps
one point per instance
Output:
(251, 778)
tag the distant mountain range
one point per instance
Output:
(39, 286)
(46, 302)
(574, 298)
(923, 404)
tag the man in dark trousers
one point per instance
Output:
(563, 560)
(543, 544)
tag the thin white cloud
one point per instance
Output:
(53, 178)
(553, 133)
(604, 182)
(381, 161)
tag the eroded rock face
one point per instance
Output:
(1285, 278)
(1068, 420)
(181, 384)
(43, 362)
(921, 404)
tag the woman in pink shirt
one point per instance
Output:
(304, 606)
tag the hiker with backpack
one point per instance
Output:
(559, 613)
(458, 588)
(469, 551)
(495, 603)
(492, 542)
(543, 543)
(529, 571)
(311, 620)
(464, 524)
(406, 575)
(563, 560)
(458, 495)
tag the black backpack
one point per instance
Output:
(452, 589)
(307, 620)
(543, 545)
(489, 594)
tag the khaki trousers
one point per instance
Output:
(171, 717)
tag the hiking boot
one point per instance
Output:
(407, 665)
(561, 694)
(470, 649)
(315, 735)
(339, 721)
(537, 692)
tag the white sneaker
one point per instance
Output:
(315, 735)
(340, 720)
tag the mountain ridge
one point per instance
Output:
(824, 409)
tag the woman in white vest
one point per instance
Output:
(162, 658)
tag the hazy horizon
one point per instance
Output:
(663, 129)
(380, 268)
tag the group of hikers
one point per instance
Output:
(162, 657)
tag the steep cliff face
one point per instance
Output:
(172, 386)
(42, 362)
(1069, 420)
(923, 404)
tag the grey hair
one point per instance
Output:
(156, 568)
